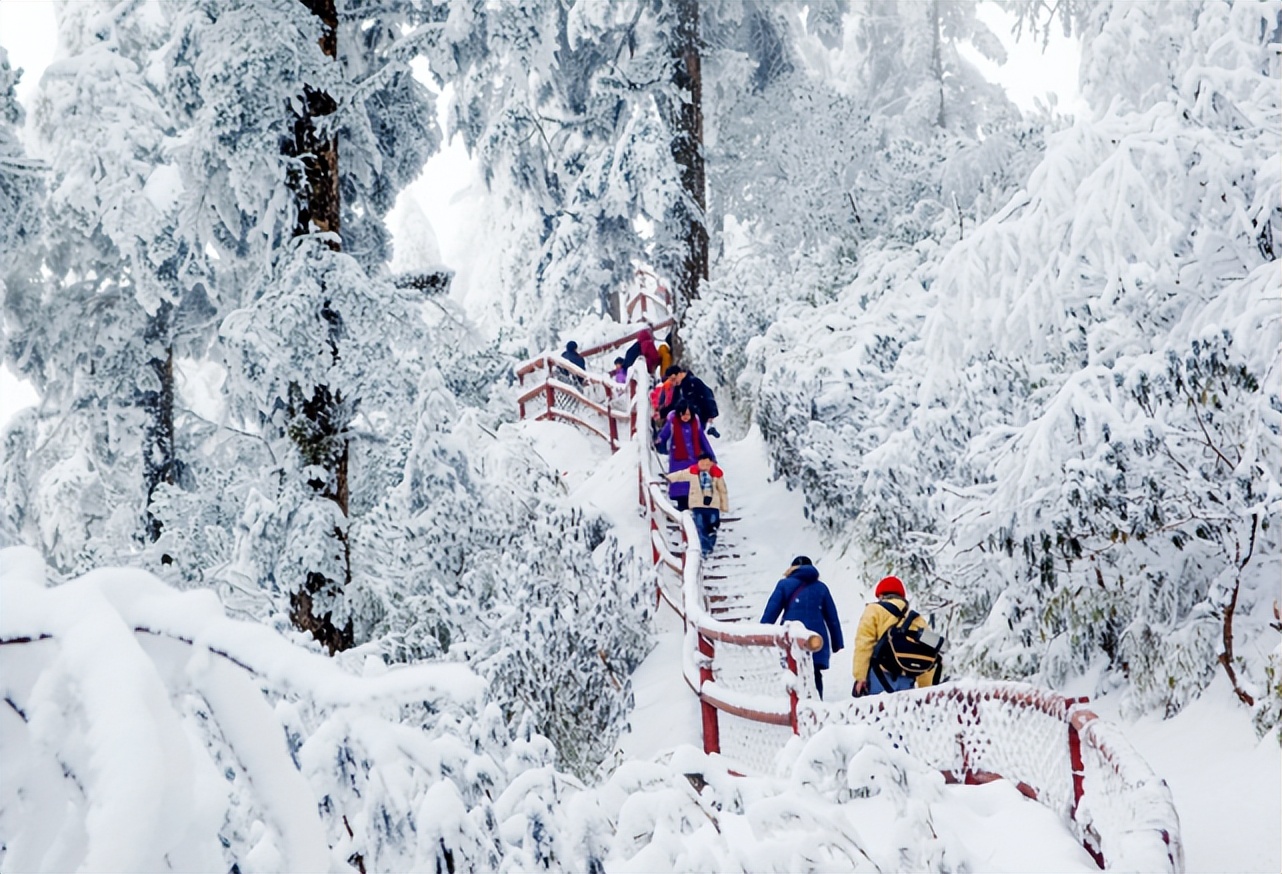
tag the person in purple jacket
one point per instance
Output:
(683, 438)
(802, 596)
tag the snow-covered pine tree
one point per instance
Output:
(21, 187)
(1065, 424)
(810, 159)
(558, 103)
(98, 342)
(320, 356)
(1132, 492)
(22, 193)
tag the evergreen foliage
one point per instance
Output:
(1063, 423)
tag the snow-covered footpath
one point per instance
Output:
(1226, 783)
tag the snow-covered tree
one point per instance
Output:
(21, 185)
(98, 338)
(1063, 423)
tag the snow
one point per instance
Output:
(152, 732)
(1227, 785)
(843, 799)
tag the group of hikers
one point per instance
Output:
(895, 648)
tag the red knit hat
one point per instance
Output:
(890, 586)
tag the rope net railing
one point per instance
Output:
(1054, 749)
(755, 682)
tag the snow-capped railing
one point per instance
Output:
(594, 404)
(645, 302)
(1052, 747)
(749, 677)
(590, 399)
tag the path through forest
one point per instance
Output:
(1225, 783)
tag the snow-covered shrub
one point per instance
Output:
(477, 557)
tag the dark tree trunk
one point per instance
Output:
(687, 149)
(319, 415)
(159, 458)
(937, 58)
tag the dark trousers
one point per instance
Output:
(634, 351)
(706, 520)
(819, 681)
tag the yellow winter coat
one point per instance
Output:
(875, 622)
(665, 358)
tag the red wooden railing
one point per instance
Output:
(1053, 748)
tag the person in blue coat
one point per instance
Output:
(802, 596)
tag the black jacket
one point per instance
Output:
(696, 393)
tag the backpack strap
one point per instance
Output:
(889, 607)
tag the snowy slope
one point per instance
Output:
(1227, 785)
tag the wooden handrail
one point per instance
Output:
(533, 364)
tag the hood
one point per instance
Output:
(807, 573)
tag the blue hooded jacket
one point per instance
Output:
(813, 608)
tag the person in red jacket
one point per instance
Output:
(644, 346)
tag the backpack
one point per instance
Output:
(905, 652)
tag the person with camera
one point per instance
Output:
(708, 498)
(683, 441)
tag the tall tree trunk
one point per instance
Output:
(159, 458)
(687, 149)
(320, 415)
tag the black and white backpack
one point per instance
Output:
(904, 651)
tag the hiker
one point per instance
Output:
(662, 400)
(620, 372)
(695, 391)
(683, 439)
(802, 596)
(571, 354)
(644, 346)
(875, 670)
(708, 498)
(664, 348)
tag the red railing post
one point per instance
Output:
(1077, 719)
(550, 392)
(609, 412)
(1075, 754)
(711, 730)
(792, 693)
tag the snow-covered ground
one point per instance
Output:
(1226, 783)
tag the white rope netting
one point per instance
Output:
(752, 746)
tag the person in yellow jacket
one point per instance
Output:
(875, 622)
(665, 356)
